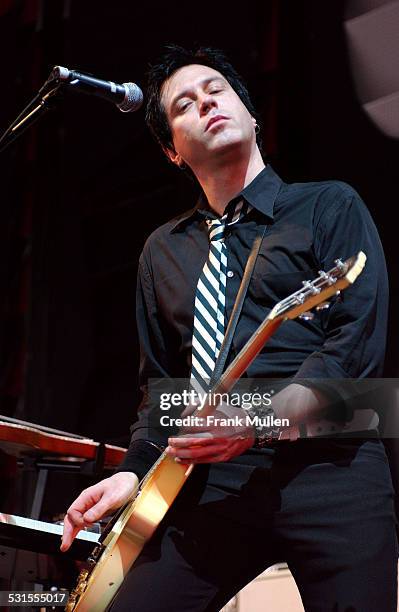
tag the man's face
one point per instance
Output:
(207, 118)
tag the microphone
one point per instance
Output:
(128, 97)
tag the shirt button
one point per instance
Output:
(230, 273)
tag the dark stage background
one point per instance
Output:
(82, 190)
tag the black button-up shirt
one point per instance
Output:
(308, 226)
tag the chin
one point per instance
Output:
(230, 144)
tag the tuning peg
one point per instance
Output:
(330, 280)
(300, 298)
(340, 265)
(308, 286)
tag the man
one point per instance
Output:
(322, 505)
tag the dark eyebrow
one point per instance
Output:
(187, 91)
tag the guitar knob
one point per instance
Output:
(306, 316)
(323, 306)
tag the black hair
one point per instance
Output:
(176, 57)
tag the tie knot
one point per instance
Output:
(216, 229)
(235, 211)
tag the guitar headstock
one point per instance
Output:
(317, 291)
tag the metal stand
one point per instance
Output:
(37, 107)
(43, 465)
(39, 494)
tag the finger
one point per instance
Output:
(176, 451)
(217, 453)
(213, 458)
(74, 519)
(80, 514)
(185, 441)
(69, 533)
(105, 504)
(199, 451)
(86, 500)
(222, 454)
(198, 426)
(190, 408)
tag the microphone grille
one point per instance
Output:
(133, 98)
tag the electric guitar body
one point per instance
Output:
(126, 536)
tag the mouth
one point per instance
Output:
(214, 119)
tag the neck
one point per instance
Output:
(223, 183)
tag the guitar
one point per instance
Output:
(134, 524)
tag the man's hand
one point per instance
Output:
(210, 441)
(95, 502)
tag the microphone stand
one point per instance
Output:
(43, 101)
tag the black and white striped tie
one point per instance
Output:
(209, 309)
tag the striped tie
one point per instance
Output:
(209, 309)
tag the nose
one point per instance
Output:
(206, 103)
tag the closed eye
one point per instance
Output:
(182, 107)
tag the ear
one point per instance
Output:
(174, 157)
(253, 121)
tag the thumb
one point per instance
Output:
(99, 510)
(191, 407)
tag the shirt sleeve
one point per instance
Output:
(355, 324)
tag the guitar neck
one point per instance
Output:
(312, 294)
(244, 359)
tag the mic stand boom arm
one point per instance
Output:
(31, 113)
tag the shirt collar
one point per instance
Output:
(261, 193)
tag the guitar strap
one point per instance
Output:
(238, 304)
